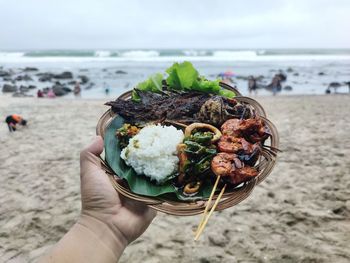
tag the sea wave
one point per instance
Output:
(235, 54)
(171, 55)
(12, 54)
(102, 53)
(139, 54)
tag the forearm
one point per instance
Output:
(89, 240)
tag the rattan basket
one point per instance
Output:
(230, 198)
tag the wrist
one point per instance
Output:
(105, 233)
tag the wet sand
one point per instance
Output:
(301, 213)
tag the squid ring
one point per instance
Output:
(197, 125)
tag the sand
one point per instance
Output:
(301, 213)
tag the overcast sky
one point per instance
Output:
(103, 24)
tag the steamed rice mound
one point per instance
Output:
(152, 152)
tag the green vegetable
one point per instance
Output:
(200, 137)
(207, 86)
(181, 76)
(184, 77)
(153, 84)
(227, 93)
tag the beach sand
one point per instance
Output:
(301, 213)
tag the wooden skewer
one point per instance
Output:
(208, 204)
(210, 213)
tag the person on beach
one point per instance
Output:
(108, 221)
(77, 89)
(13, 120)
(40, 94)
(275, 84)
(252, 86)
(51, 94)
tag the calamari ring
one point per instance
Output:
(198, 125)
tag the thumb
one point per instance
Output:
(96, 147)
(89, 157)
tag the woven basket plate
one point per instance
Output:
(230, 198)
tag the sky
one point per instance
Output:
(172, 24)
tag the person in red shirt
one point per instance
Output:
(13, 120)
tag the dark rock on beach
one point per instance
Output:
(60, 90)
(43, 77)
(290, 69)
(9, 88)
(26, 69)
(121, 72)
(31, 87)
(64, 75)
(84, 79)
(321, 73)
(23, 78)
(49, 76)
(4, 73)
(334, 85)
(23, 88)
(9, 79)
(288, 88)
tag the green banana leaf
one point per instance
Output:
(140, 184)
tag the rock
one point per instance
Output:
(31, 87)
(64, 75)
(289, 70)
(26, 69)
(45, 76)
(288, 88)
(296, 74)
(23, 78)
(121, 72)
(60, 90)
(23, 88)
(9, 88)
(4, 73)
(84, 79)
(71, 82)
(7, 79)
(66, 89)
(321, 73)
(334, 85)
(282, 76)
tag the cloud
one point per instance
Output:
(42, 24)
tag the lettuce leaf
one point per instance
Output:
(153, 84)
(181, 76)
(208, 86)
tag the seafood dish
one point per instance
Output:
(182, 137)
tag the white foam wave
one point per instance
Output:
(235, 55)
(139, 54)
(194, 53)
(12, 54)
(102, 53)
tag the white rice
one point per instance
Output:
(152, 152)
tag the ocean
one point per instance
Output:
(309, 71)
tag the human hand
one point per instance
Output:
(125, 218)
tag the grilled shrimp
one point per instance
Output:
(231, 168)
